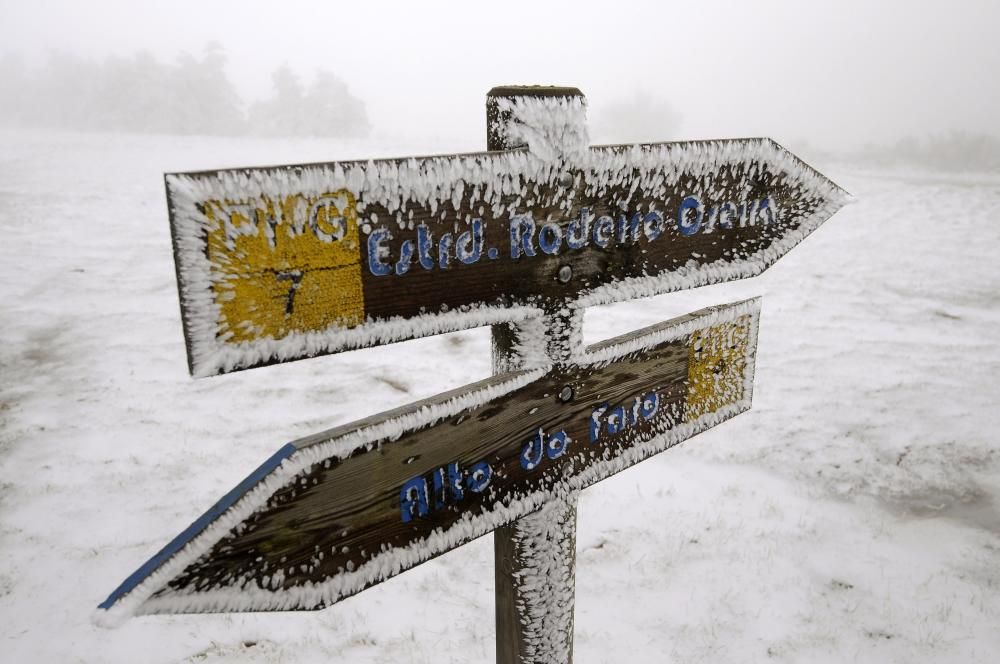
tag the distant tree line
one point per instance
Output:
(953, 151)
(191, 96)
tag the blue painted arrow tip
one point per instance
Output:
(213, 513)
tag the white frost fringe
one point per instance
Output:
(663, 166)
(388, 563)
(552, 128)
(546, 546)
(487, 178)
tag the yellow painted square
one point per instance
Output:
(717, 363)
(284, 265)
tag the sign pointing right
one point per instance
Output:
(281, 263)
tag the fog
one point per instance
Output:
(836, 75)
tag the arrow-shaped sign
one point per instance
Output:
(332, 514)
(276, 264)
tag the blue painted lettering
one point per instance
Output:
(469, 246)
(628, 231)
(444, 250)
(550, 238)
(726, 213)
(578, 230)
(532, 452)
(616, 420)
(685, 224)
(603, 230)
(399, 257)
(541, 446)
(447, 482)
(479, 477)
(447, 485)
(613, 421)
(650, 404)
(767, 206)
(711, 218)
(633, 413)
(653, 225)
(522, 231)
(413, 499)
(424, 244)
(405, 257)
(557, 444)
(595, 422)
(376, 252)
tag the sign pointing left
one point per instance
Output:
(334, 513)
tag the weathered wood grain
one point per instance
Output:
(262, 294)
(338, 515)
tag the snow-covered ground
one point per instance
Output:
(852, 515)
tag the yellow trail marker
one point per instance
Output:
(717, 359)
(286, 265)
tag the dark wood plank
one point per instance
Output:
(630, 222)
(340, 514)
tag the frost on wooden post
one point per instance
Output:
(545, 545)
(552, 128)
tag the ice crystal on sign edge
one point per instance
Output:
(138, 599)
(421, 180)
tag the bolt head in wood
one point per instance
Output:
(566, 180)
(565, 274)
(566, 394)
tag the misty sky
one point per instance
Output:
(836, 73)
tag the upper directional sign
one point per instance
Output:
(332, 514)
(282, 263)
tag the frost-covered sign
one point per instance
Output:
(283, 263)
(277, 264)
(330, 515)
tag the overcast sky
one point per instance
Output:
(835, 73)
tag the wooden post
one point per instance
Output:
(535, 556)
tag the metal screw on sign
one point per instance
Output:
(282, 263)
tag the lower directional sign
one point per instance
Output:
(334, 513)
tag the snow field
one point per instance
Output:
(851, 515)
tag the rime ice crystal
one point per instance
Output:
(303, 463)
(284, 263)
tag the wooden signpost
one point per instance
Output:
(283, 263)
